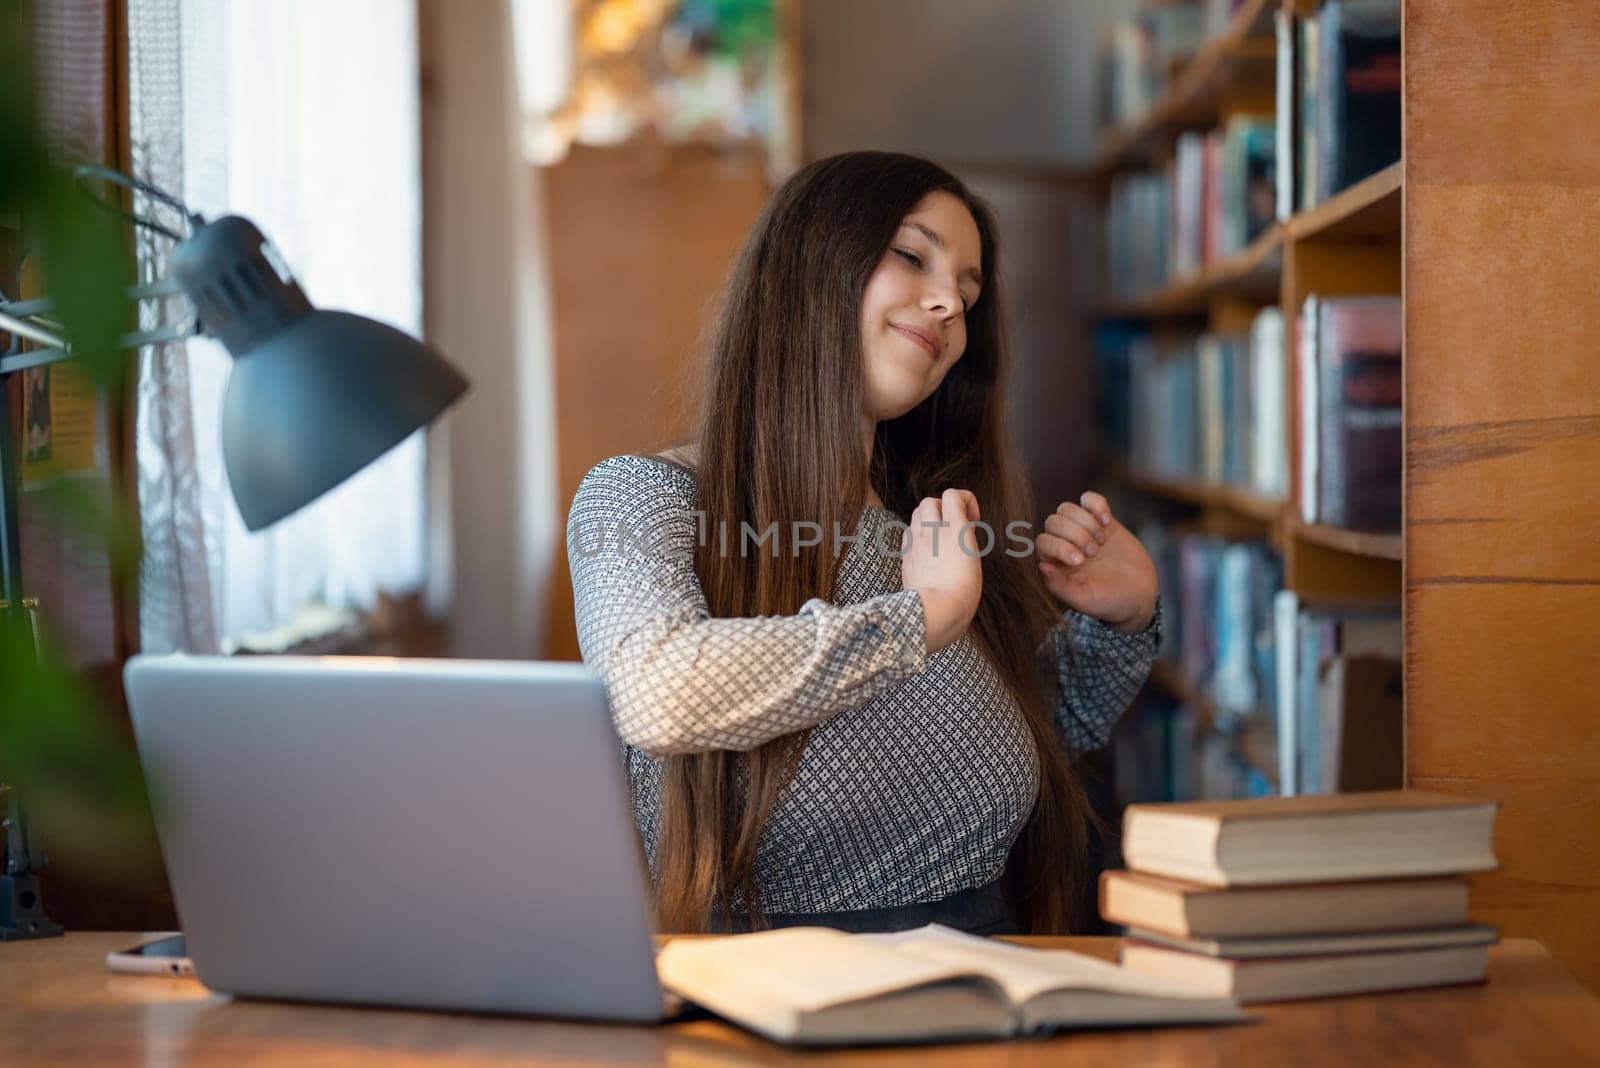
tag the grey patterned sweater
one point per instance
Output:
(920, 770)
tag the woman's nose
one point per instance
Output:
(941, 300)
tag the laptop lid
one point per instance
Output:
(441, 834)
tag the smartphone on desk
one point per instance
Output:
(166, 955)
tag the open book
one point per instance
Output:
(817, 986)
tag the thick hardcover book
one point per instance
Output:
(1359, 99)
(1294, 978)
(1322, 838)
(1182, 909)
(1359, 421)
(816, 986)
(1323, 945)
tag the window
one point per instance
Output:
(303, 117)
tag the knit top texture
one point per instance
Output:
(920, 770)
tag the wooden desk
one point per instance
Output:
(59, 1006)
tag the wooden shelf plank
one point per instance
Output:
(1240, 502)
(1191, 98)
(1354, 542)
(1255, 272)
(1367, 210)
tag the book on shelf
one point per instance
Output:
(1351, 722)
(1284, 34)
(1320, 838)
(1179, 909)
(1187, 178)
(1285, 632)
(1215, 374)
(1306, 378)
(1291, 978)
(1322, 945)
(1211, 193)
(1249, 183)
(1358, 96)
(1308, 51)
(1269, 447)
(818, 986)
(1351, 426)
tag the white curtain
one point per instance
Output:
(303, 117)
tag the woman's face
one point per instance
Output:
(913, 312)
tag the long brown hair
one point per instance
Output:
(779, 441)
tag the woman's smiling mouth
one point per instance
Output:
(929, 343)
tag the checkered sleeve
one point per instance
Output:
(1101, 670)
(681, 681)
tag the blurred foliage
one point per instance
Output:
(58, 746)
(729, 27)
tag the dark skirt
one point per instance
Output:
(981, 910)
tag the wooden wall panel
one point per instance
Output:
(641, 238)
(1550, 865)
(1502, 249)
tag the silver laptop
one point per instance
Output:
(441, 834)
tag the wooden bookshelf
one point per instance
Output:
(1485, 229)
(1244, 53)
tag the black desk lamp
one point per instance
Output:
(314, 397)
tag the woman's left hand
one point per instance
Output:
(1092, 563)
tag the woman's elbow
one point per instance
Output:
(640, 721)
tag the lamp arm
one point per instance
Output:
(21, 320)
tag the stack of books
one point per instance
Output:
(1299, 897)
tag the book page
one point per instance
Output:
(1025, 973)
(804, 968)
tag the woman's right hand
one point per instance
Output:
(949, 579)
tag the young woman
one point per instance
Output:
(869, 734)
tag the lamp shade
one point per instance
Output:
(315, 395)
(319, 401)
